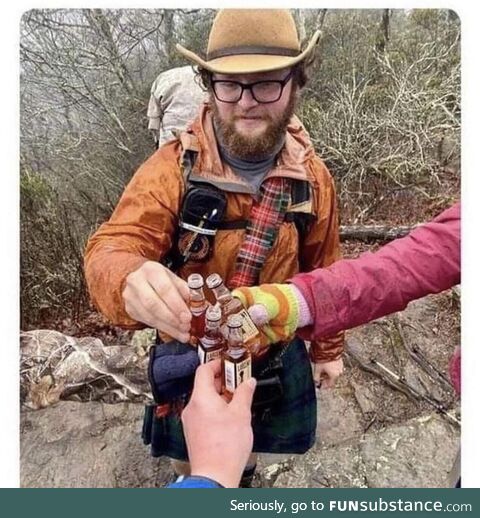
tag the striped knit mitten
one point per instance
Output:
(278, 309)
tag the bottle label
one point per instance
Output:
(229, 375)
(236, 373)
(201, 354)
(249, 329)
(213, 355)
(206, 356)
(243, 371)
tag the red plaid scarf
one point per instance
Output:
(265, 219)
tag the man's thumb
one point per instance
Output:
(243, 395)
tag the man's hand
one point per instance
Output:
(326, 374)
(158, 298)
(219, 435)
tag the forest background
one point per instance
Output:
(382, 108)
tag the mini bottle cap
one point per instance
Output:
(213, 280)
(234, 321)
(195, 281)
(214, 313)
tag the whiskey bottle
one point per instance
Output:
(212, 343)
(232, 306)
(236, 359)
(198, 307)
(229, 304)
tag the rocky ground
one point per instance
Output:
(372, 432)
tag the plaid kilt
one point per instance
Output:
(288, 426)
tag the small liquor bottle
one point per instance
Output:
(198, 307)
(232, 306)
(229, 304)
(236, 359)
(212, 343)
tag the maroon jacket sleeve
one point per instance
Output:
(352, 292)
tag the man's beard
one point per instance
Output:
(253, 147)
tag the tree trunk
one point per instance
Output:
(299, 16)
(169, 36)
(100, 24)
(384, 31)
(321, 19)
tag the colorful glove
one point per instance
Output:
(278, 308)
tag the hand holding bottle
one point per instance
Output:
(158, 298)
(219, 435)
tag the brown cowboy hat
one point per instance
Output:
(244, 41)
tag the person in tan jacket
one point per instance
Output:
(174, 100)
(247, 143)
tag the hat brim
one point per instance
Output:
(249, 63)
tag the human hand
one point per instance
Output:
(274, 308)
(158, 298)
(219, 435)
(326, 374)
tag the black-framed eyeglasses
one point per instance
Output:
(262, 91)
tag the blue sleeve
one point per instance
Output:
(195, 482)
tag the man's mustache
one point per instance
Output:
(266, 118)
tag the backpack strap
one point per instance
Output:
(301, 207)
(299, 211)
(188, 157)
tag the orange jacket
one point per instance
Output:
(142, 226)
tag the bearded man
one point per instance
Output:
(280, 218)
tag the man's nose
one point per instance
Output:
(247, 100)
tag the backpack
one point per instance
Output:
(194, 240)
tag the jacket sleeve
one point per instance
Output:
(140, 229)
(320, 249)
(353, 292)
(155, 109)
(195, 482)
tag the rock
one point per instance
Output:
(270, 473)
(417, 379)
(98, 445)
(337, 466)
(338, 419)
(365, 398)
(88, 445)
(419, 453)
(44, 393)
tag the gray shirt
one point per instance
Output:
(254, 171)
